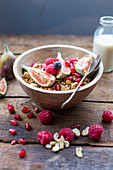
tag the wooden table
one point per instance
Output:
(97, 155)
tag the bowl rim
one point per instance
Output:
(19, 78)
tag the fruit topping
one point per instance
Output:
(49, 61)
(95, 132)
(40, 77)
(3, 87)
(45, 116)
(107, 116)
(50, 69)
(57, 65)
(67, 133)
(44, 137)
(84, 64)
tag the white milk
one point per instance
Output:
(103, 46)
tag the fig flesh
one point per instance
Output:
(3, 87)
(6, 63)
(41, 77)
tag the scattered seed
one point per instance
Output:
(22, 153)
(13, 142)
(22, 141)
(17, 117)
(13, 122)
(30, 115)
(27, 126)
(12, 131)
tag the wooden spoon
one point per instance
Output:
(94, 67)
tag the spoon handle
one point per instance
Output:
(73, 93)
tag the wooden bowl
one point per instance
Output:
(53, 99)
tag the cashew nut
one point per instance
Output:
(85, 132)
(48, 146)
(78, 152)
(76, 132)
(56, 148)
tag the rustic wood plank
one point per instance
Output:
(21, 43)
(37, 157)
(84, 114)
(102, 92)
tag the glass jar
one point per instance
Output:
(103, 42)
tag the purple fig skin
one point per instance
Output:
(6, 63)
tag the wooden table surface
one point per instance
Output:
(96, 155)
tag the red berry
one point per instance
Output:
(67, 63)
(81, 84)
(44, 137)
(17, 117)
(77, 75)
(72, 70)
(77, 126)
(69, 78)
(45, 116)
(22, 141)
(50, 69)
(72, 60)
(36, 110)
(56, 59)
(78, 80)
(30, 115)
(27, 126)
(22, 153)
(67, 133)
(12, 131)
(11, 108)
(13, 142)
(25, 110)
(53, 87)
(57, 87)
(95, 132)
(49, 61)
(13, 122)
(107, 116)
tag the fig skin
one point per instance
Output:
(6, 63)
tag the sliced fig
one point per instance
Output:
(64, 71)
(3, 87)
(41, 77)
(84, 64)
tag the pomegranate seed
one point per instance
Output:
(77, 75)
(43, 67)
(57, 87)
(32, 65)
(72, 60)
(69, 78)
(12, 131)
(53, 88)
(25, 110)
(76, 126)
(22, 141)
(78, 80)
(36, 110)
(13, 122)
(22, 153)
(30, 115)
(13, 142)
(56, 59)
(81, 84)
(11, 108)
(17, 117)
(67, 63)
(27, 126)
(72, 70)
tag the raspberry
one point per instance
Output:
(95, 132)
(67, 133)
(49, 61)
(44, 137)
(107, 116)
(45, 116)
(50, 69)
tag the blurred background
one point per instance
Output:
(78, 17)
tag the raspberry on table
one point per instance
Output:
(45, 116)
(107, 116)
(50, 69)
(49, 61)
(67, 133)
(95, 132)
(44, 137)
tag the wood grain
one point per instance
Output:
(37, 157)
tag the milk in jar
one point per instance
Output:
(103, 46)
(103, 42)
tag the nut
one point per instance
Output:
(85, 132)
(55, 137)
(66, 144)
(52, 143)
(48, 146)
(76, 132)
(78, 152)
(61, 142)
(56, 148)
